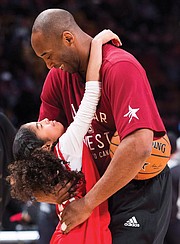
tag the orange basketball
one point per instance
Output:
(161, 151)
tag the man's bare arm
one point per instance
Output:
(126, 163)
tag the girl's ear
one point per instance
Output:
(47, 146)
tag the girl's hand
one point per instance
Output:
(95, 60)
(106, 36)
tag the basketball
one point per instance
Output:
(161, 151)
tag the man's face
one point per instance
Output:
(56, 52)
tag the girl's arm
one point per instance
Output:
(71, 141)
(95, 59)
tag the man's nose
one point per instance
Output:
(49, 64)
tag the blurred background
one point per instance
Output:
(149, 29)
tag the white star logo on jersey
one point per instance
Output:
(132, 113)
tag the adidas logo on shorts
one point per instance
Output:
(132, 222)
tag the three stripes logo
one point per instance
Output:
(132, 222)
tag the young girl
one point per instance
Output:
(38, 174)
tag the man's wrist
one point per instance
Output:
(89, 202)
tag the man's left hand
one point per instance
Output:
(74, 214)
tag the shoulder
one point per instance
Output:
(116, 57)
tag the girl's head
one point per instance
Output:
(40, 177)
(36, 135)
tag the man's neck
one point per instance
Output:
(85, 46)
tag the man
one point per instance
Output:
(139, 210)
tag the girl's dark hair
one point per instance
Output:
(25, 142)
(40, 172)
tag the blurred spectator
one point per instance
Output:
(11, 211)
(19, 216)
(47, 221)
(173, 233)
(7, 133)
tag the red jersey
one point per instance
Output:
(95, 229)
(126, 103)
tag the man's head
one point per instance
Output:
(59, 41)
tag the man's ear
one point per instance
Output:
(47, 146)
(68, 38)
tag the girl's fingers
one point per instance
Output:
(117, 42)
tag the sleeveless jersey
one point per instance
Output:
(95, 229)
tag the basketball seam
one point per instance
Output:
(146, 173)
(161, 156)
(111, 151)
(112, 143)
(166, 140)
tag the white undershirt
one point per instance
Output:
(71, 142)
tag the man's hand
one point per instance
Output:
(75, 214)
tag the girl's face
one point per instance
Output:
(46, 130)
